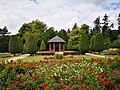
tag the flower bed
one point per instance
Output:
(94, 74)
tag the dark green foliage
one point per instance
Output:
(63, 34)
(42, 46)
(31, 45)
(69, 45)
(13, 45)
(97, 26)
(4, 31)
(107, 44)
(4, 42)
(92, 43)
(83, 44)
(49, 34)
(20, 45)
(118, 22)
(99, 44)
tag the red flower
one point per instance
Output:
(71, 85)
(90, 69)
(34, 73)
(64, 87)
(40, 60)
(33, 77)
(80, 79)
(24, 79)
(15, 84)
(101, 81)
(101, 86)
(39, 79)
(85, 86)
(107, 83)
(49, 89)
(75, 79)
(117, 59)
(55, 80)
(110, 60)
(10, 67)
(100, 62)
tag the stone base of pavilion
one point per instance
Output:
(52, 53)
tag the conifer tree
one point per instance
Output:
(83, 44)
(98, 44)
(13, 45)
(92, 40)
(42, 46)
(20, 45)
(31, 45)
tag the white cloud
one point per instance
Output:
(56, 13)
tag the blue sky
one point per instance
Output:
(61, 14)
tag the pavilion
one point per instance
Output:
(56, 44)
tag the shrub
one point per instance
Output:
(42, 46)
(113, 51)
(13, 45)
(83, 44)
(99, 44)
(58, 56)
(20, 45)
(31, 45)
(51, 57)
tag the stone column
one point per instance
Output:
(53, 47)
(59, 47)
(50, 46)
(63, 47)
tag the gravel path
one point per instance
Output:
(19, 57)
(91, 54)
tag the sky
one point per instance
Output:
(60, 14)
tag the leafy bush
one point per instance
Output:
(58, 56)
(51, 57)
(113, 51)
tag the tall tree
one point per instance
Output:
(63, 34)
(69, 45)
(99, 44)
(83, 43)
(4, 31)
(48, 34)
(13, 45)
(31, 45)
(118, 22)
(92, 43)
(42, 46)
(106, 31)
(74, 38)
(20, 45)
(84, 28)
(36, 27)
(75, 26)
(97, 27)
(107, 43)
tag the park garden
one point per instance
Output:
(72, 70)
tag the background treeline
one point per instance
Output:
(101, 37)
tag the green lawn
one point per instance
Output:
(37, 58)
(33, 58)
